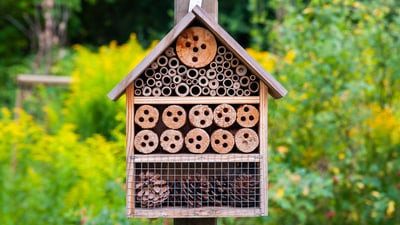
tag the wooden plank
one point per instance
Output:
(130, 135)
(197, 100)
(263, 135)
(196, 212)
(172, 158)
(182, 7)
(118, 90)
(43, 79)
(275, 88)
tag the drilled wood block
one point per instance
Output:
(224, 115)
(197, 140)
(196, 47)
(201, 116)
(246, 140)
(174, 116)
(222, 141)
(146, 116)
(247, 116)
(171, 141)
(146, 141)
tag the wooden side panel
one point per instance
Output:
(263, 134)
(275, 88)
(182, 6)
(130, 132)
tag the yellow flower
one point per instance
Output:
(282, 149)
(290, 56)
(375, 194)
(360, 185)
(335, 170)
(391, 208)
(342, 156)
(280, 192)
(308, 10)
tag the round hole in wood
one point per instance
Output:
(227, 119)
(143, 144)
(180, 113)
(195, 38)
(195, 49)
(202, 122)
(198, 146)
(172, 146)
(177, 137)
(251, 118)
(169, 113)
(219, 115)
(166, 138)
(217, 141)
(187, 44)
(141, 119)
(175, 119)
(145, 137)
(224, 145)
(224, 136)
(226, 110)
(191, 140)
(198, 138)
(194, 59)
(246, 135)
(203, 46)
(151, 143)
(146, 112)
(196, 113)
(243, 118)
(151, 119)
(246, 109)
(206, 113)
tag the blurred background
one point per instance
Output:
(334, 140)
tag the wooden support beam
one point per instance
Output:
(43, 79)
(182, 7)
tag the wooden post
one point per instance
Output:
(181, 9)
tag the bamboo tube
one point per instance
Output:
(221, 91)
(174, 117)
(201, 116)
(213, 84)
(203, 81)
(146, 141)
(239, 92)
(211, 73)
(172, 72)
(253, 77)
(149, 72)
(156, 91)
(195, 90)
(227, 83)
(197, 140)
(219, 69)
(139, 83)
(189, 82)
(226, 65)
(246, 140)
(241, 70)
(228, 73)
(182, 89)
(159, 84)
(220, 77)
(154, 65)
(170, 52)
(221, 50)
(213, 93)
(235, 77)
(205, 91)
(244, 81)
(195, 81)
(182, 69)
(219, 59)
(171, 141)
(247, 116)
(254, 87)
(228, 55)
(247, 92)
(235, 62)
(146, 91)
(150, 82)
(224, 115)
(173, 62)
(138, 92)
(157, 76)
(166, 91)
(164, 70)
(173, 86)
(230, 92)
(213, 65)
(166, 80)
(177, 79)
(146, 116)
(202, 72)
(162, 60)
(192, 73)
(236, 85)
(222, 141)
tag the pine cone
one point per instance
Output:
(151, 191)
(175, 197)
(243, 191)
(195, 191)
(218, 191)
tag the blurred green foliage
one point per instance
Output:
(334, 139)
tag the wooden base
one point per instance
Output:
(195, 221)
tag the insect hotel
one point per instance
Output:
(197, 125)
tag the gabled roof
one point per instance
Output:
(275, 89)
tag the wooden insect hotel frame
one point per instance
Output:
(197, 126)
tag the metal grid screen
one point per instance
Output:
(194, 184)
